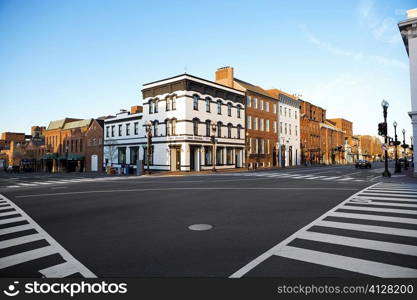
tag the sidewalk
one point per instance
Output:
(406, 176)
(218, 171)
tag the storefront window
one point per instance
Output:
(122, 155)
(208, 156)
(134, 155)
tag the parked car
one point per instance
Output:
(363, 164)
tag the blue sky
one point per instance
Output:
(89, 58)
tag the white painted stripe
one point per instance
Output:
(59, 271)
(412, 192)
(368, 228)
(253, 263)
(20, 240)
(41, 182)
(25, 184)
(373, 217)
(8, 213)
(359, 243)
(11, 220)
(358, 180)
(347, 263)
(19, 258)
(54, 247)
(329, 178)
(392, 199)
(385, 203)
(15, 229)
(388, 210)
(384, 194)
(315, 177)
(12, 186)
(303, 176)
(346, 178)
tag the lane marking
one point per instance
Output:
(54, 246)
(347, 263)
(184, 189)
(359, 243)
(59, 271)
(261, 258)
(20, 240)
(387, 198)
(384, 204)
(388, 210)
(368, 228)
(373, 217)
(384, 194)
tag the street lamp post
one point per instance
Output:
(397, 165)
(213, 140)
(247, 146)
(405, 146)
(148, 126)
(385, 105)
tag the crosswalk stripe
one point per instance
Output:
(20, 240)
(392, 199)
(346, 263)
(368, 228)
(359, 243)
(8, 213)
(26, 184)
(15, 229)
(11, 220)
(373, 217)
(388, 210)
(332, 177)
(345, 179)
(385, 204)
(59, 271)
(22, 257)
(384, 194)
(393, 192)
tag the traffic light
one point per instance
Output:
(382, 129)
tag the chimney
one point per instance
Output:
(136, 109)
(225, 76)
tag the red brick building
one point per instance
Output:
(261, 120)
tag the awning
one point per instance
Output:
(50, 156)
(71, 156)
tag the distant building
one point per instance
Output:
(288, 128)
(123, 138)
(261, 110)
(311, 116)
(67, 141)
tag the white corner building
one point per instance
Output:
(289, 130)
(185, 111)
(124, 137)
(408, 29)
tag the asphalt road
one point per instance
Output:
(139, 226)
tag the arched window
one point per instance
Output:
(229, 131)
(219, 129)
(174, 102)
(174, 126)
(208, 127)
(229, 109)
(150, 103)
(239, 127)
(208, 104)
(155, 109)
(155, 128)
(238, 111)
(168, 104)
(219, 107)
(195, 126)
(167, 127)
(195, 102)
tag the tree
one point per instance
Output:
(110, 150)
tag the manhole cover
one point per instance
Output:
(200, 227)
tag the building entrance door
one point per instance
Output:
(175, 158)
(94, 163)
(192, 159)
(290, 156)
